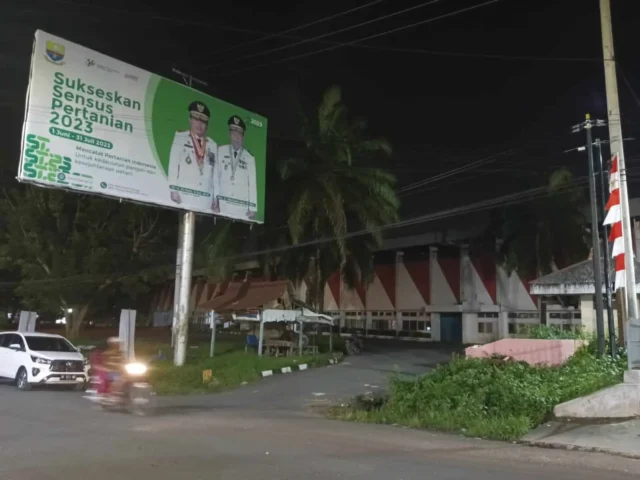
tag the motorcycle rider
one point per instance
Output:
(113, 364)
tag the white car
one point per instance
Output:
(41, 359)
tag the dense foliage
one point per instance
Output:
(547, 230)
(334, 190)
(73, 252)
(491, 398)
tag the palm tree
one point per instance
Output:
(549, 231)
(333, 190)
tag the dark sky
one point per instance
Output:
(440, 110)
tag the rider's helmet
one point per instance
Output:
(113, 341)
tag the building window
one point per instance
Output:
(485, 327)
(488, 315)
(416, 324)
(354, 323)
(381, 324)
(523, 315)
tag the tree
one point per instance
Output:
(9, 300)
(74, 251)
(333, 189)
(221, 249)
(548, 231)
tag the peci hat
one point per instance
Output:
(236, 123)
(200, 111)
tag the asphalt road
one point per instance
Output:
(265, 430)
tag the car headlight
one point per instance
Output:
(136, 368)
(85, 361)
(42, 361)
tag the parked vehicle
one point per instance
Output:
(41, 359)
(354, 344)
(135, 394)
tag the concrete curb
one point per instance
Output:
(337, 358)
(576, 448)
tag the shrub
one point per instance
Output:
(490, 398)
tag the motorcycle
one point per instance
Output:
(135, 394)
(354, 344)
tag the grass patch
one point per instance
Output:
(488, 398)
(230, 366)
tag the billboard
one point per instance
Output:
(97, 125)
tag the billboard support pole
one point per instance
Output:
(184, 266)
(184, 310)
(176, 290)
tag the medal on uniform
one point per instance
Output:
(234, 161)
(200, 150)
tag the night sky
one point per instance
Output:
(516, 74)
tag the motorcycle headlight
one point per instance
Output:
(136, 368)
(41, 361)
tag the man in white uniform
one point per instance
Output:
(191, 162)
(235, 188)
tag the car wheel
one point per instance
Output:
(22, 379)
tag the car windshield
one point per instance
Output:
(49, 344)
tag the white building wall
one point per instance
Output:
(441, 293)
(408, 296)
(350, 299)
(330, 303)
(435, 327)
(512, 293)
(301, 292)
(480, 294)
(377, 298)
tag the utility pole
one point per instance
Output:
(617, 148)
(595, 240)
(184, 265)
(587, 125)
(606, 253)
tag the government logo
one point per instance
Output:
(54, 52)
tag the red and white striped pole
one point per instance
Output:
(621, 236)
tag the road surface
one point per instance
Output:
(264, 430)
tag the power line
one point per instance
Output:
(263, 34)
(488, 56)
(628, 84)
(410, 189)
(181, 21)
(295, 29)
(328, 34)
(455, 171)
(483, 161)
(370, 37)
(505, 200)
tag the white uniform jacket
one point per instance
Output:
(192, 183)
(235, 182)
